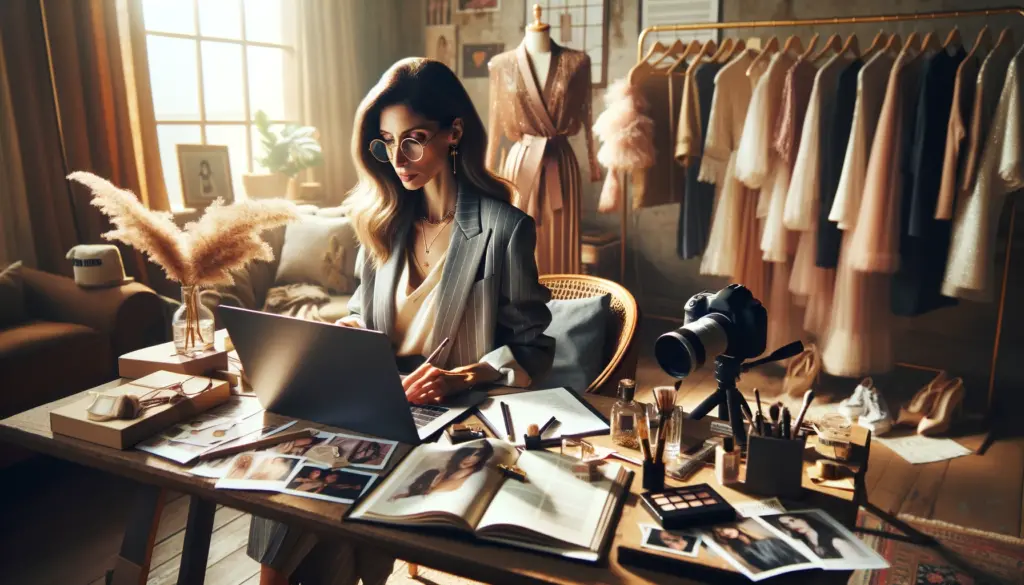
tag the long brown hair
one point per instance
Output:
(430, 89)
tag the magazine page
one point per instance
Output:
(754, 550)
(553, 503)
(819, 536)
(457, 480)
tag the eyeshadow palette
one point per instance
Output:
(687, 506)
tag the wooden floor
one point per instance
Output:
(61, 523)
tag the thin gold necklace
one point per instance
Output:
(426, 246)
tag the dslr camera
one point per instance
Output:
(730, 322)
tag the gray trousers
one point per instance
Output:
(308, 559)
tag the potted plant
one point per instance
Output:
(286, 152)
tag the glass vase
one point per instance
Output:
(192, 324)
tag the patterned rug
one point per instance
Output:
(964, 556)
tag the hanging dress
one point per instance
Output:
(969, 271)
(858, 339)
(539, 117)
(954, 156)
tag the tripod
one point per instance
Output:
(731, 404)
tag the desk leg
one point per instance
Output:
(196, 549)
(131, 566)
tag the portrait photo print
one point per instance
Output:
(340, 485)
(754, 550)
(205, 172)
(363, 451)
(819, 535)
(678, 542)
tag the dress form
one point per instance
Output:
(538, 46)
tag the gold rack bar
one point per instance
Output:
(908, 17)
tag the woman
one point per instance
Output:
(311, 483)
(364, 452)
(818, 536)
(419, 151)
(760, 552)
(464, 462)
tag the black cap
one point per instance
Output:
(627, 389)
(727, 443)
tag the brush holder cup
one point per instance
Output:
(654, 476)
(775, 467)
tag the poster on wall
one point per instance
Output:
(442, 45)
(476, 57)
(205, 174)
(477, 5)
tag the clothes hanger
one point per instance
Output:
(851, 46)
(953, 40)
(1005, 39)
(767, 50)
(810, 47)
(876, 44)
(793, 45)
(690, 49)
(911, 42)
(705, 55)
(930, 44)
(675, 49)
(723, 50)
(894, 45)
(982, 43)
(834, 43)
(738, 48)
(644, 63)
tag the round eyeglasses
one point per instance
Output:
(411, 148)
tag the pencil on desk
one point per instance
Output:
(509, 430)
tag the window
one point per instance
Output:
(212, 65)
(669, 12)
(580, 25)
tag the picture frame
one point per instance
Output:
(476, 6)
(475, 58)
(442, 45)
(205, 171)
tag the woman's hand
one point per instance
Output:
(432, 384)
(353, 321)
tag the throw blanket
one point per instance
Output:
(297, 300)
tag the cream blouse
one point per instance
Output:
(416, 309)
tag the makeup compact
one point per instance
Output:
(688, 506)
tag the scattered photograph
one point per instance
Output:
(441, 45)
(819, 535)
(213, 469)
(341, 485)
(475, 58)
(175, 451)
(205, 175)
(364, 452)
(477, 5)
(299, 447)
(216, 468)
(754, 550)
(677, 542)
(259, 471)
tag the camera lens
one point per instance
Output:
(684, 351)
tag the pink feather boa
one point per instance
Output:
(626, 136)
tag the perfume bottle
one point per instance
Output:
(727, 463)
(627, 415)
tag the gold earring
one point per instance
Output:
(454, 151)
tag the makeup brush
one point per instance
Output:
(757, 399)
(645, 442)
(808, 397)
(665, 400)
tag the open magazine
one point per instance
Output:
(460, 487)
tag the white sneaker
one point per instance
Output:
(857, 403)
(877, 418)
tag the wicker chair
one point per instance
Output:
(619, 350)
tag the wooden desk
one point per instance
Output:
(483, 562)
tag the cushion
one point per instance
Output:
(319, 250)
(12, 296)
(579, 327)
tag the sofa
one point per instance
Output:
(64, 339)
(312, 275)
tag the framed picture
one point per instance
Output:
(442, 45)
(463, 6)
(205, 174)
(476, 57)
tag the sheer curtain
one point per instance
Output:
(345, 47)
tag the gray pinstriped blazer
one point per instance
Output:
(491, 305)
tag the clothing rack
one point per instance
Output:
(942, 15)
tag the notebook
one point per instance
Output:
(459, 487)
(576, 418)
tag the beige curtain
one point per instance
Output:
(15, 227)
(345, 47)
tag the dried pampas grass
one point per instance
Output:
(226, 237)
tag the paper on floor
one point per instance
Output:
(918, 449)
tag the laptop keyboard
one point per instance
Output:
(424, 415)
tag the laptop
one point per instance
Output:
(338, 376)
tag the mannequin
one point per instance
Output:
(538, 46)
(540, 96)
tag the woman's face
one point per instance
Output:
(331, 478)
(673, 541)
(399, 122)
(728, 533)
(473, 459)
(315, 474)
(795, 524)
